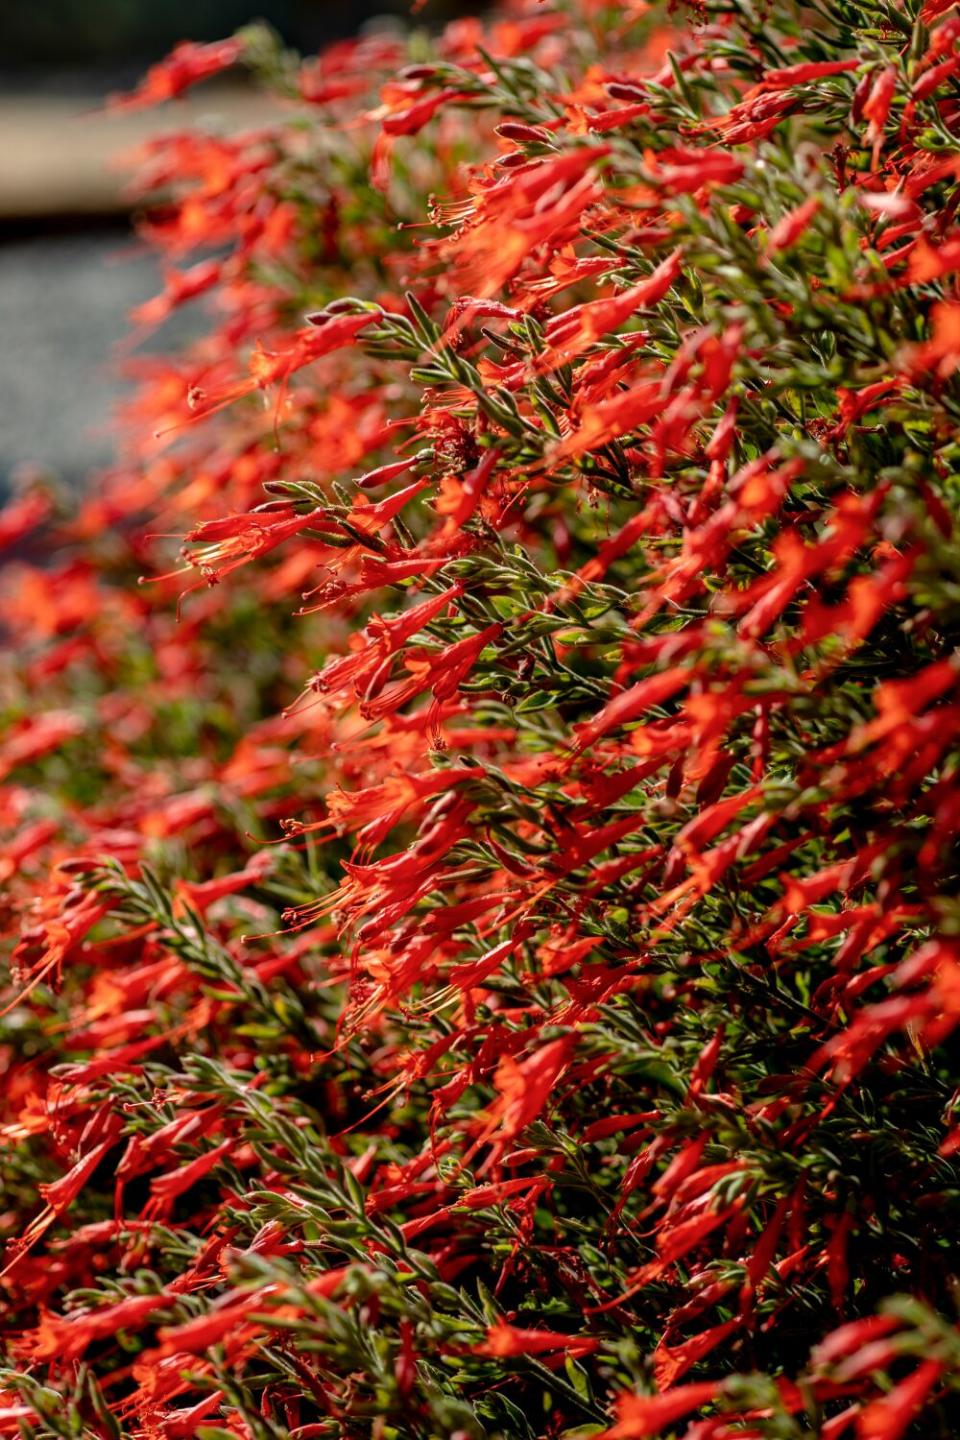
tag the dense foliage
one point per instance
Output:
(484, 921)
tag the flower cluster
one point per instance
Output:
(485, 946)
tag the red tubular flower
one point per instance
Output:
(505, 1340)
(806, 71)
(888, 1418)
(640, 1415)
(68, 1337)
(324, 334)
(186, 65)
(787, 231)
(877, 105)
(46, 732)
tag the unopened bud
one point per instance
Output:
(619, 91)
(418, 72)
(523, 134)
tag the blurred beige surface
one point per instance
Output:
(59, 156)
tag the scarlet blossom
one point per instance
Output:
(640, 1415)
(68, 1337)
(792, 225)
(504, 1340)
(805, 71)
(888, 1418)
(187, 64)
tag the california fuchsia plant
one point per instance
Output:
(485, 911)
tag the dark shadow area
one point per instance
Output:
(56, 45)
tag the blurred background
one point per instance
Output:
(70, 269)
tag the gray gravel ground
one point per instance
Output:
(63, 309)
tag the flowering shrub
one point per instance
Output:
(484, 919)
